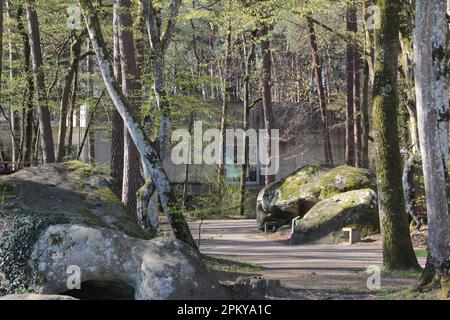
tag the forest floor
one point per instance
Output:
(313, 271)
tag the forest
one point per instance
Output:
(224, 149)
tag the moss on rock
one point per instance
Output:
(297, 193)
(357, 208)
(342, 179)
(74, 188)
(288, 187)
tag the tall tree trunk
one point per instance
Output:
(45, 127)
(117, 131)
(248, 67)
(365, 118)
(431, 78)
(2, 158)
(147, 149)
(357, 116)
(73, 105)
(225, 105)
(267, 95)
(28, 121)
(159, 41)
(90, 131)
(15, 114)
(131, 85)
(160, 35)
(368, 80)
(407, 71)
(75, 51)
(398, 252)
(349, 114)
(320, 92)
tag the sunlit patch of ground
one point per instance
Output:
(314, 271)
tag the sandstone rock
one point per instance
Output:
(73, 189)
(44, 250)
(297, 193)
(356, 208)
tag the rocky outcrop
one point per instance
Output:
(326, 219)
(74, 189)
(60, 224)
(296, 194)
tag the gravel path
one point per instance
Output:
(314, 266)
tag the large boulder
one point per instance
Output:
(297, 193)
(67, 225)
(357, 208)
(74, 189)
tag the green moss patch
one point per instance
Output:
(289, 187)
(355, 208)
(342, 179)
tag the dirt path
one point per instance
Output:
(315, 266)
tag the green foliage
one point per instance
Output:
(213, 203)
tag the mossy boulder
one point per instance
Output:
(294, 195)
(58, 216)
(357, 209)
(74, 189)
(342, 179)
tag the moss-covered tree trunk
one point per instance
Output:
(28, 114)
(398, 252)
(147, 149)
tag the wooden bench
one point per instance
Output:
(354, 235)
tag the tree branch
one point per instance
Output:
(170, 24)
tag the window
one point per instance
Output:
(233, 171)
